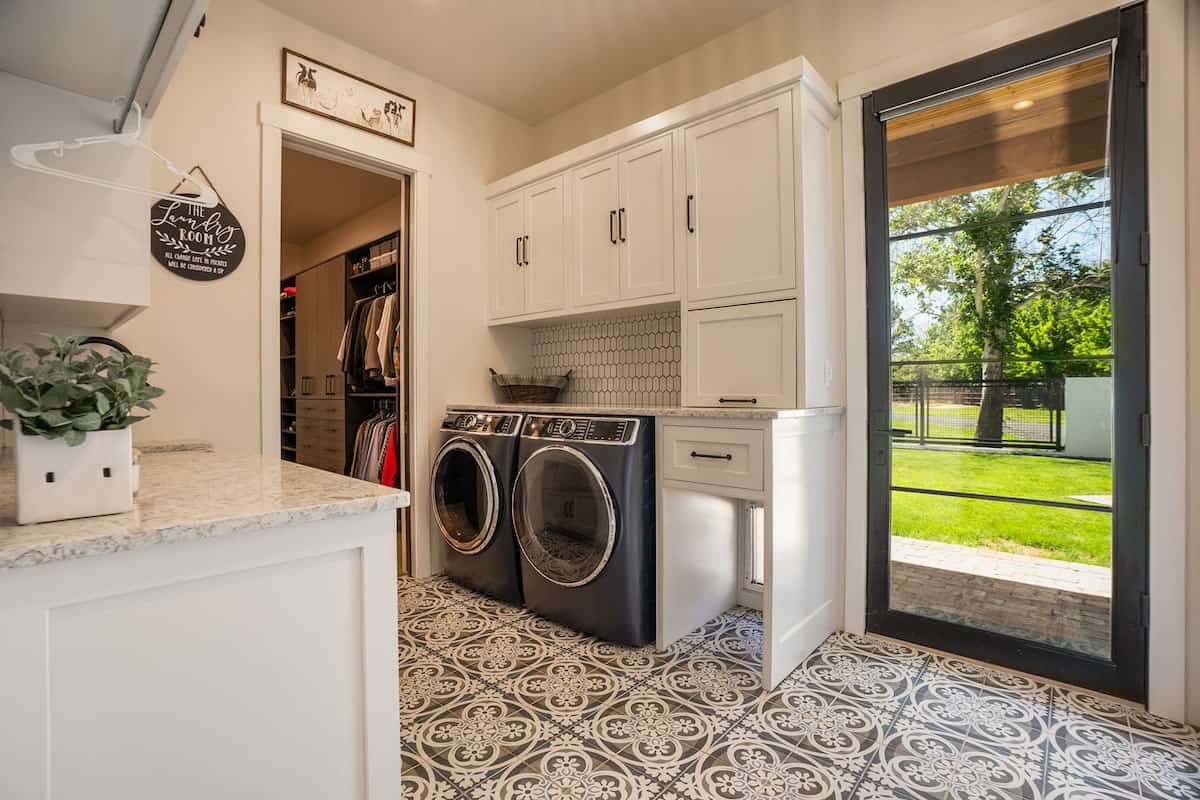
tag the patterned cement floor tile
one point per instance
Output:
(499, 703)
(444, 627)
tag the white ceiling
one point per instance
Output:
(317, 195)
(93, 49)
(528, 58)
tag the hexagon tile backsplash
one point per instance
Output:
(631, 360)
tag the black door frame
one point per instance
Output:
(1125, 675)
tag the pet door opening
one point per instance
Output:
(754, 547)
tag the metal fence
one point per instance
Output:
(931, 411)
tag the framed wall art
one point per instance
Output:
(329, 92)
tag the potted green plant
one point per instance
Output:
(73, 407)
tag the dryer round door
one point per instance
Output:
(466, 495)
(564, 516)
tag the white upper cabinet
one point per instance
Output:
(741, 207)
(595, 263)
(506, 280)
(528, 250)
(544, 248)
(725, 200)
(624, 245)
(645, 222)
(741, 356)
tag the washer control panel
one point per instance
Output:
(482, 422)
(595, 430)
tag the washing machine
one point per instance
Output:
(583, 512)
(471, 484)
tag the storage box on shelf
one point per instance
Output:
(724, 207)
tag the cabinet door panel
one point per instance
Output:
(545, 250)
(646, 225)
(331, 320)
(740, 174)
(595, 249)
(506, 224)
(741, 356)
(308, 333)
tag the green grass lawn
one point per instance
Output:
(1065, 534)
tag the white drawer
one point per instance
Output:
(719, 456)
(741, 356)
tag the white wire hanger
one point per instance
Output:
(25, 156)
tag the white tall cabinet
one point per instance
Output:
(741, 202)
(724, 207)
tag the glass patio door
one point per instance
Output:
(1007, 344)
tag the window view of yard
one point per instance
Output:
(1065, 534)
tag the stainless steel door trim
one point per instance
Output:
(518, 518)
(491, 488)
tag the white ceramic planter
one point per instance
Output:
(56, 481)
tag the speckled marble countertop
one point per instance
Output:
(191, 494)
(654, 411)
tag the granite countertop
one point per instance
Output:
(741, 412)
(189, 493)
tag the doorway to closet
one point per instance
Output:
(1006, 218)
(344, 323)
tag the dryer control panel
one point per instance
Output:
(593, 430)
(482, 422)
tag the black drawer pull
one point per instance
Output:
(612, 218)
(726, 457)
(691, 199)
(739, 400)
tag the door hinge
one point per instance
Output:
(1144, 419)
(1145, 610)
(1144, 66)
(1144, 242)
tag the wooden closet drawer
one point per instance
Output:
(321, 409)
(717, 456)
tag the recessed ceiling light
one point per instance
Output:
(1021, 105)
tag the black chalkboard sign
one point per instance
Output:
(194, 242)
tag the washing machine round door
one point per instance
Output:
(564, 516)
(466, 495)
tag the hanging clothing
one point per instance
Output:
(390, 462)
(373, 442)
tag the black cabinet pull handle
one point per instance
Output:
(525, 251)
(726, 457)
(518, 256)
(691, 200)
(612, 218)
(739, 400)
(621, 224)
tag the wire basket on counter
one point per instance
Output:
(531, 388)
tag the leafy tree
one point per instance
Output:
(997, 291)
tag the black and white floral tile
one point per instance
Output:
(498, 703)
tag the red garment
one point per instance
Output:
(388, 476)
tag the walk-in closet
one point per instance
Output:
(344, 323)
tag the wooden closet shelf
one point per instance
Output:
(374, 271)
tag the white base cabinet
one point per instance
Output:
(799, 461)
(259, 664)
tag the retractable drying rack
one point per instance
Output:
(25, 156)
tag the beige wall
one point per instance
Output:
(840, 37)
(1193, 366)
(381, 220)
(206, 335)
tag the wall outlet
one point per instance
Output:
(828, 373)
